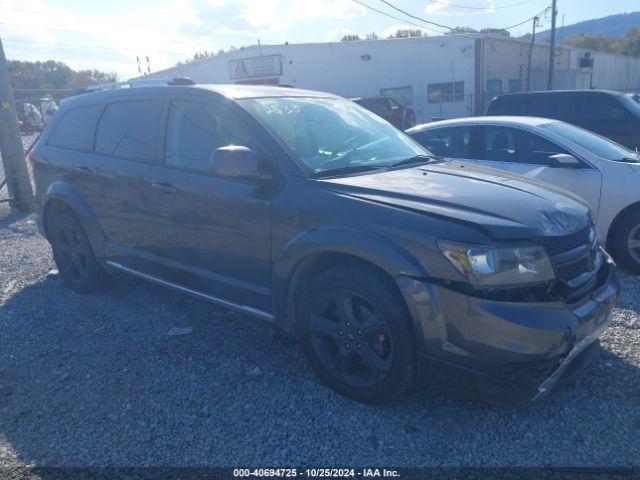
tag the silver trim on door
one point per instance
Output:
(196, 293)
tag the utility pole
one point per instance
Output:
(552, 51)
(533, 43)
(11, 149)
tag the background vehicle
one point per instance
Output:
(309, 211)
(391, 110)
(610, 114)
(604, 174)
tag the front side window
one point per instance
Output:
(329, 133)
(76, 128)
(513, 145)
(602, 109)
(451, 142)
(127, 130)
(196, 129)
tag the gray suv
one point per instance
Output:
(392, 267)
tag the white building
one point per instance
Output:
(439, 77)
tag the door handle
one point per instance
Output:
(84, 170)
(164, 187)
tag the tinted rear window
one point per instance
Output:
(75, 130)
(127, 130)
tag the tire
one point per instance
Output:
(74, 256)
(355, 333)
(626, 231)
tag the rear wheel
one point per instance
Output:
(356, 334)
(74, 256)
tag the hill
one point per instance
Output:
(611, 26)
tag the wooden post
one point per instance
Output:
(11, 149)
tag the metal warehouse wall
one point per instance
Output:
(436, 76)
(439, 77)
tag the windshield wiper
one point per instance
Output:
(333, 172)
(415, 160)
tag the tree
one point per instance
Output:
(407, 33)
(372, 36)
(350, 37)
(40, 79)
(461, 30)
(496, 31)
(596, 42)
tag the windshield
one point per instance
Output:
(630, 105)
(333, 134)
(596, 144)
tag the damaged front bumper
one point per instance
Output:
(516, 349)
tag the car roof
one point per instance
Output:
(234, 92)
(559, 92)
(507, 119)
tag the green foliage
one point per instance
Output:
(463, 30)
(627, 45)
(459, 30)
(350, 37)
(407, 33)
(44, 78)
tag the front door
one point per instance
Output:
(211, 233)
(525, 153)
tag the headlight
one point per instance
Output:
(492, 265)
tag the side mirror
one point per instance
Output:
(237, 162)
(564, 160)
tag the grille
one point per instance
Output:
(569, 269)
(556, 245)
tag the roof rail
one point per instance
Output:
(139, 83)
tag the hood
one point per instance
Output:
(504, 205)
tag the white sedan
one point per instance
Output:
(605, 174)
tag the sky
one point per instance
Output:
(108, 35)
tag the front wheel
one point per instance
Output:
(356, 334)
(625, 242)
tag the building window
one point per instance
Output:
(494, 87)
(514, 85)
(403, 95)
(448, 92)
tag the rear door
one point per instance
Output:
(526, 153)
(124, 149)
(450, 142)
(211, 233)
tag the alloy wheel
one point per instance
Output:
(350, 338)
(72, 254)
(633, 243)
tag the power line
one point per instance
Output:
(85, 32)
(488, 9)
(527, 20)
(102, 47)
(450, 28)
(413, 16)
(112, 21)
(396, 18)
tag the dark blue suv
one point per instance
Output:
(307, 210)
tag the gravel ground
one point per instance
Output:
(94, 380)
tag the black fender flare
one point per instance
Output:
(364, 244)
(65, 192)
